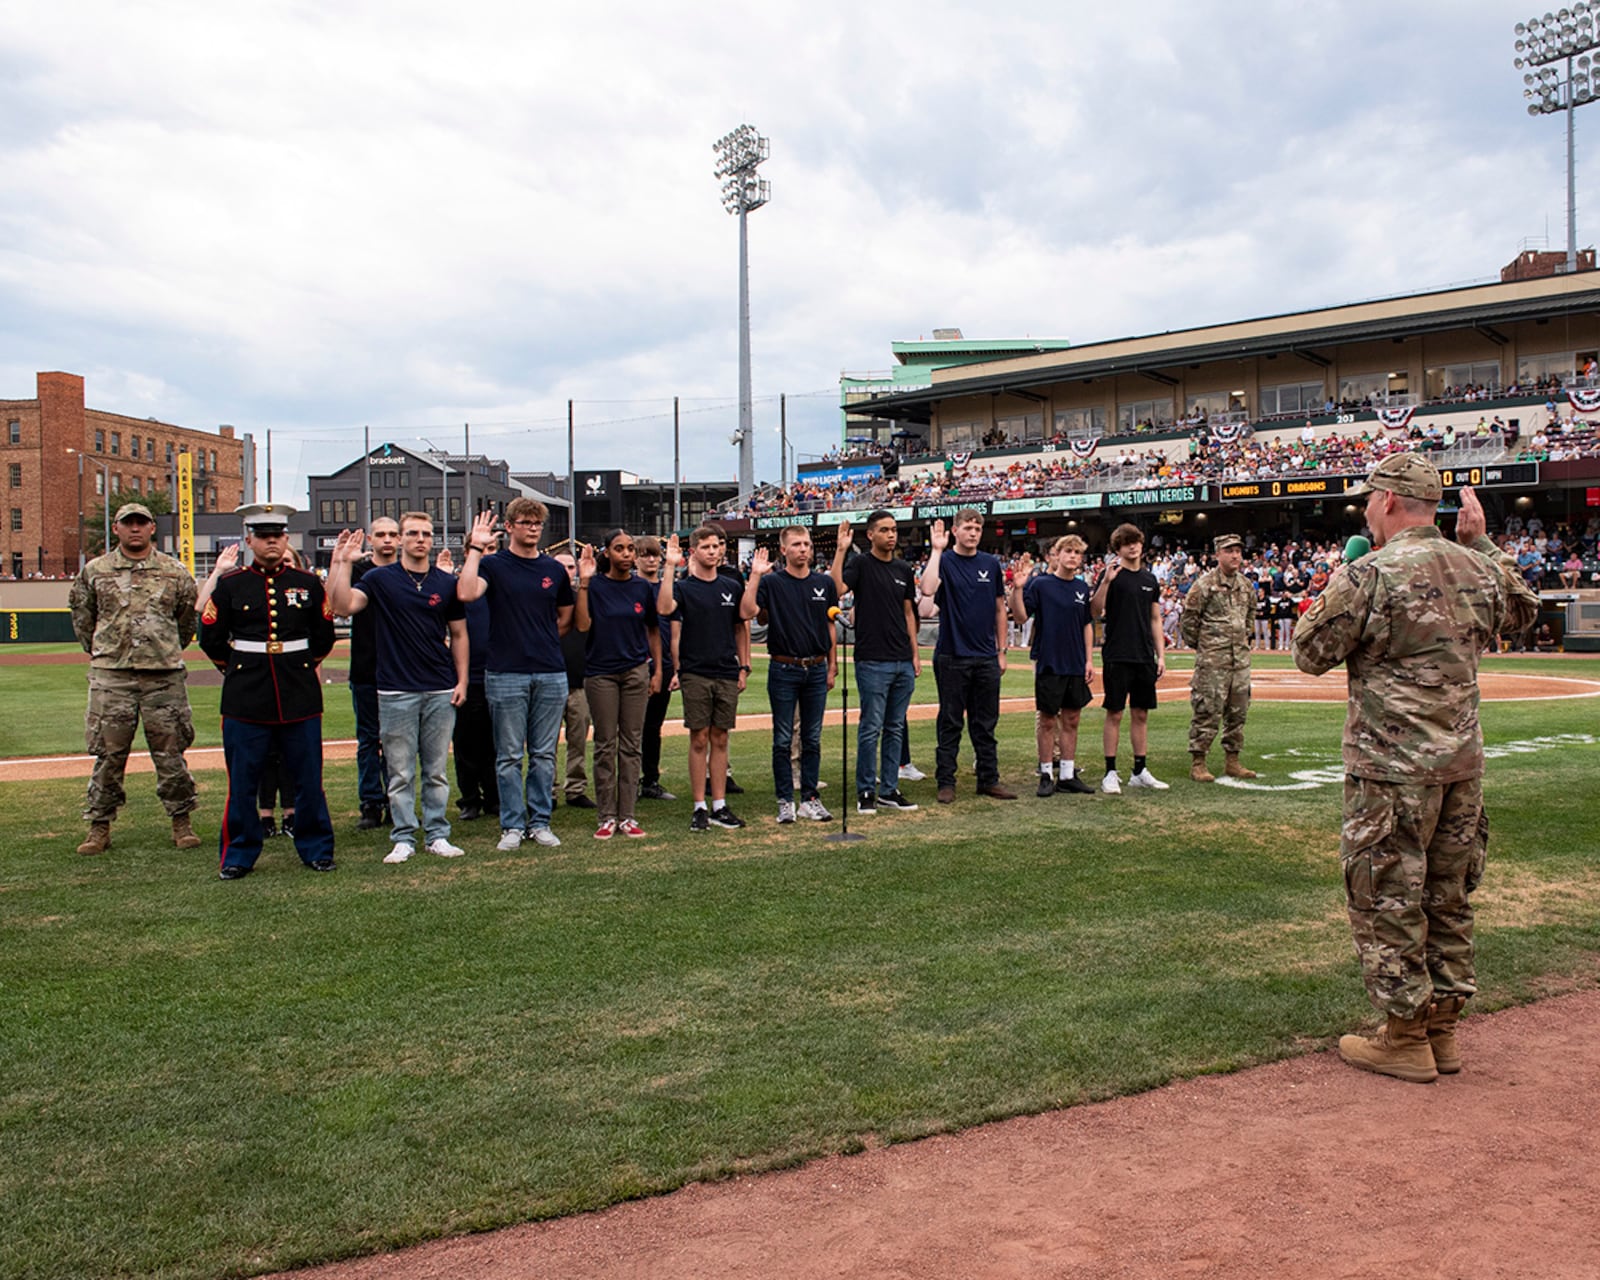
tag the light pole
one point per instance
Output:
(105, 503)
(738, 153)
(441, 459)
(1566, 36)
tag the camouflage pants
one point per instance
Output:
(1220, 695)
(117, 701)
(1412, 856)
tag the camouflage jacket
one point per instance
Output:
(135, 615)
(1409, 622)
(1218, 616)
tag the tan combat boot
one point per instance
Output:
(1442, 1034)
(1234, 769)
(98, 841)
(1198, 771)
(1400, 1049)
(183, 836)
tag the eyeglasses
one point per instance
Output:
(527, 524)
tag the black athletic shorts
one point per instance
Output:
(1052, 693)
(1130, 683)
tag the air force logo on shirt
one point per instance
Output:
(818, 593)
(727, 598)
(983, 575)
(1080, 597)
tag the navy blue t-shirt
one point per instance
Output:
(797, 612)
(968, 589)
(413, 653)
(708, 622)
(524, 594)
(621, 615)
(1060, 611)
(477, 638)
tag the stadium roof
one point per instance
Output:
(1300, 333)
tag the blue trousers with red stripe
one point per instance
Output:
(245, 747)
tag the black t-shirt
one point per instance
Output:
(708, 621)
(363, 635)
(881, 588)
(797, 612)
(1128, 631)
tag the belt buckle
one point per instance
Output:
(274, 646)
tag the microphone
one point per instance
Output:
(1356, 548)
(833, 612)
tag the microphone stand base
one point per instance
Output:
(844, 837)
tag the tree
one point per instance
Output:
(94, 520)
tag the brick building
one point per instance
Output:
(60, 459)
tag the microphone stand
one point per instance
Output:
(844, 835)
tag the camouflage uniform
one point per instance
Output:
(1409, 621)
(135, 618)
(1218, 621)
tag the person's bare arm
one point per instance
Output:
(345, 600)
(459, 646)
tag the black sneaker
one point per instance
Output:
(733, 789)
(321, 864)
(655, 791)
(726, 817)
(1047, 785)
(269, 828)
(234, 873)
(371, 818)
(580, 802)
(700, 822)
(894, 800)
(471, 813)
(1074, 786)
(286, 827)
(867, 803)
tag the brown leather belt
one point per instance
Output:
(797, 662)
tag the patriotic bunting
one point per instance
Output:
(1085, 447)
(1584, 399)
(1396, 419)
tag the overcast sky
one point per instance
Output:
(316, 217)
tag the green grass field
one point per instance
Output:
(208, 1079)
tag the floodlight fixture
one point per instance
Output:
(1540, 42)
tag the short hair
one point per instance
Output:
(1125, 535)
(878, 516)
(967, 515)
(526, 509)
(792, 531)
(377, 520)
(704, 533)
(1069, 542)
(408, 517)
(647, 545)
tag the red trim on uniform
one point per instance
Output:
(222, 858)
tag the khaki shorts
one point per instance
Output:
(708, 703)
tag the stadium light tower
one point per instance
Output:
(738, 153)
(1564, 36)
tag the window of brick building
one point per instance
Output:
(405, 479)
(150, 448)
(169, 453)
(99, 483)
(16, 519)
(213, 459)
(16, 475)
(137, 484)
(116, 443)
(133, 446)
(99, 441)
(14, 431)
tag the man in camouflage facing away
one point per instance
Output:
(133, 613)
(1409, 622)
(1217, 622)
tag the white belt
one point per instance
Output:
(270, 646)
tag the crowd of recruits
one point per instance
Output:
(1409, 621)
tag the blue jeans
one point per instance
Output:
(886, 689)
(527, 710)
(372, 779)
(416, 729)
(807, 687)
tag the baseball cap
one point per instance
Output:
(132, 509)
(1408, 474)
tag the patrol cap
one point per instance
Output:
(1225, 540)
(265, 519)
(1408, 474)
(131, 509)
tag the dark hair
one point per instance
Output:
(876, 516)
(706, 531)
(1125, 535)
(602, 560)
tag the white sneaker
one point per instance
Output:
(1148, 781)
(543, 835)
(399, 853)
(444, 848)
(510, 841)
(785, 811)
(814, 811)
(1111, 785)
(910, 773)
